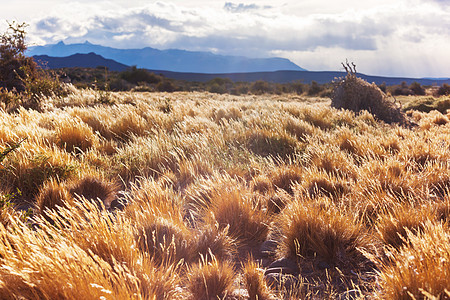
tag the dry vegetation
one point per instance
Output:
(207, 196)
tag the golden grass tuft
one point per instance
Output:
(233, 208)
(210, 279)
(419, 270)
(51, 195)
(211, 241)
(164, 241)
(311, 231)
(95, 188)
(254, 281)
(74, 136)
(393, 225)
(284, 177)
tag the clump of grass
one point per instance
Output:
(428, 104)
(95, 188)
(51, 195)
(309, 231)
(211, 241)
(266, 143)
(419, 270)
(299, 128)
(233, 208)
(32, 165)
(392, 226)
(95, 258)
(74, 136)
(210, 279)
(284, 177)
(322, 184)
(164, 241)
(254, 281)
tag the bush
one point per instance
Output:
(444, 90)
(14, 65)
(314, 89)
(165, 86)
(136, 76)
(356, 94)
(417, 89)
(402, 90)
(20, 74)
(260, 87)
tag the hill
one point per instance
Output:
(90, 60)
(171, 60)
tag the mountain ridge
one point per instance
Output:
(172, 60)
(90, 60)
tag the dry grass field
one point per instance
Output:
(207, 196)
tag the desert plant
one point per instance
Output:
(355, 94)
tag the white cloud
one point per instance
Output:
(385, 37)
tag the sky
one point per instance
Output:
(383, 37)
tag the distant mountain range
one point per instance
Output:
(170, 60)
(92, 60)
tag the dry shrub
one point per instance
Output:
(355, 94)
(210, 279)
(254, 281)
(310, 231)
(419, 270)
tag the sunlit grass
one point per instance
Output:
(131, 200)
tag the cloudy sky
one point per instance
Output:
(383, 37)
